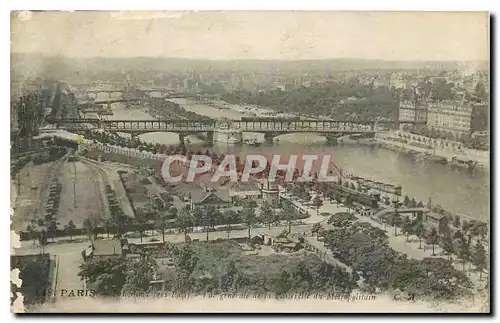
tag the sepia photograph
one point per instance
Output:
(250, 161)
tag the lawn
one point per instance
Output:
(276, 273)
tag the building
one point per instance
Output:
(218, 199)
(456, 117)
(413, 111)
(251, 188)
(203, 192)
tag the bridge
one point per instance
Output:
(270, 128)
(198, 97)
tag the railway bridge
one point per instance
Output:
(231, 130)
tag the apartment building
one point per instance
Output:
(457, 117)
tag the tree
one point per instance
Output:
(342, 219)
(432, 239)
(42, 239)
(31, 232)
(34, 275)
(139, 274)
(315, 228)
(70, 229)
(466, 225)
(90, 226)
(161, 223)
(52, 228)
(108, 225)
(444, 226)
(348, 202)
(448, 244)
(298, 190)
(317, 202)
(229, 217)
(305, 196)
(229, 279)
(197, 213)
(322, 188)
(209, 218)
(184, 222)
(407, 227)
(420, 232)
(249, 218)
(267, 213)
(288, 213)
(463, 251)
(107, 274)
(480, 230)
(458, 235)
(140, 225)
(479, 258)
(338, 198)
(396, 221)
(278, 216)
(205, 217)
(185, 262)
(283, 283)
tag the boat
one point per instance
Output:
(460, 163)
(435, 158)
(377, 186)
(252, 143)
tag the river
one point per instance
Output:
(456, 190)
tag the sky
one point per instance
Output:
(273, 35)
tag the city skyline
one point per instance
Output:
(237, 35)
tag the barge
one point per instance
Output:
(461, 163)
(378, 186)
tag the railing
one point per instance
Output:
(322, 126)
(157, 126)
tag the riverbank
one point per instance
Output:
(389, 141)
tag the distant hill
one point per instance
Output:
(63, 67)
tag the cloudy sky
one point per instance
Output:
(254, 35)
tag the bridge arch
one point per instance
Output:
(270, 137)
(161, 137)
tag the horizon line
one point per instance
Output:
(243, 59)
